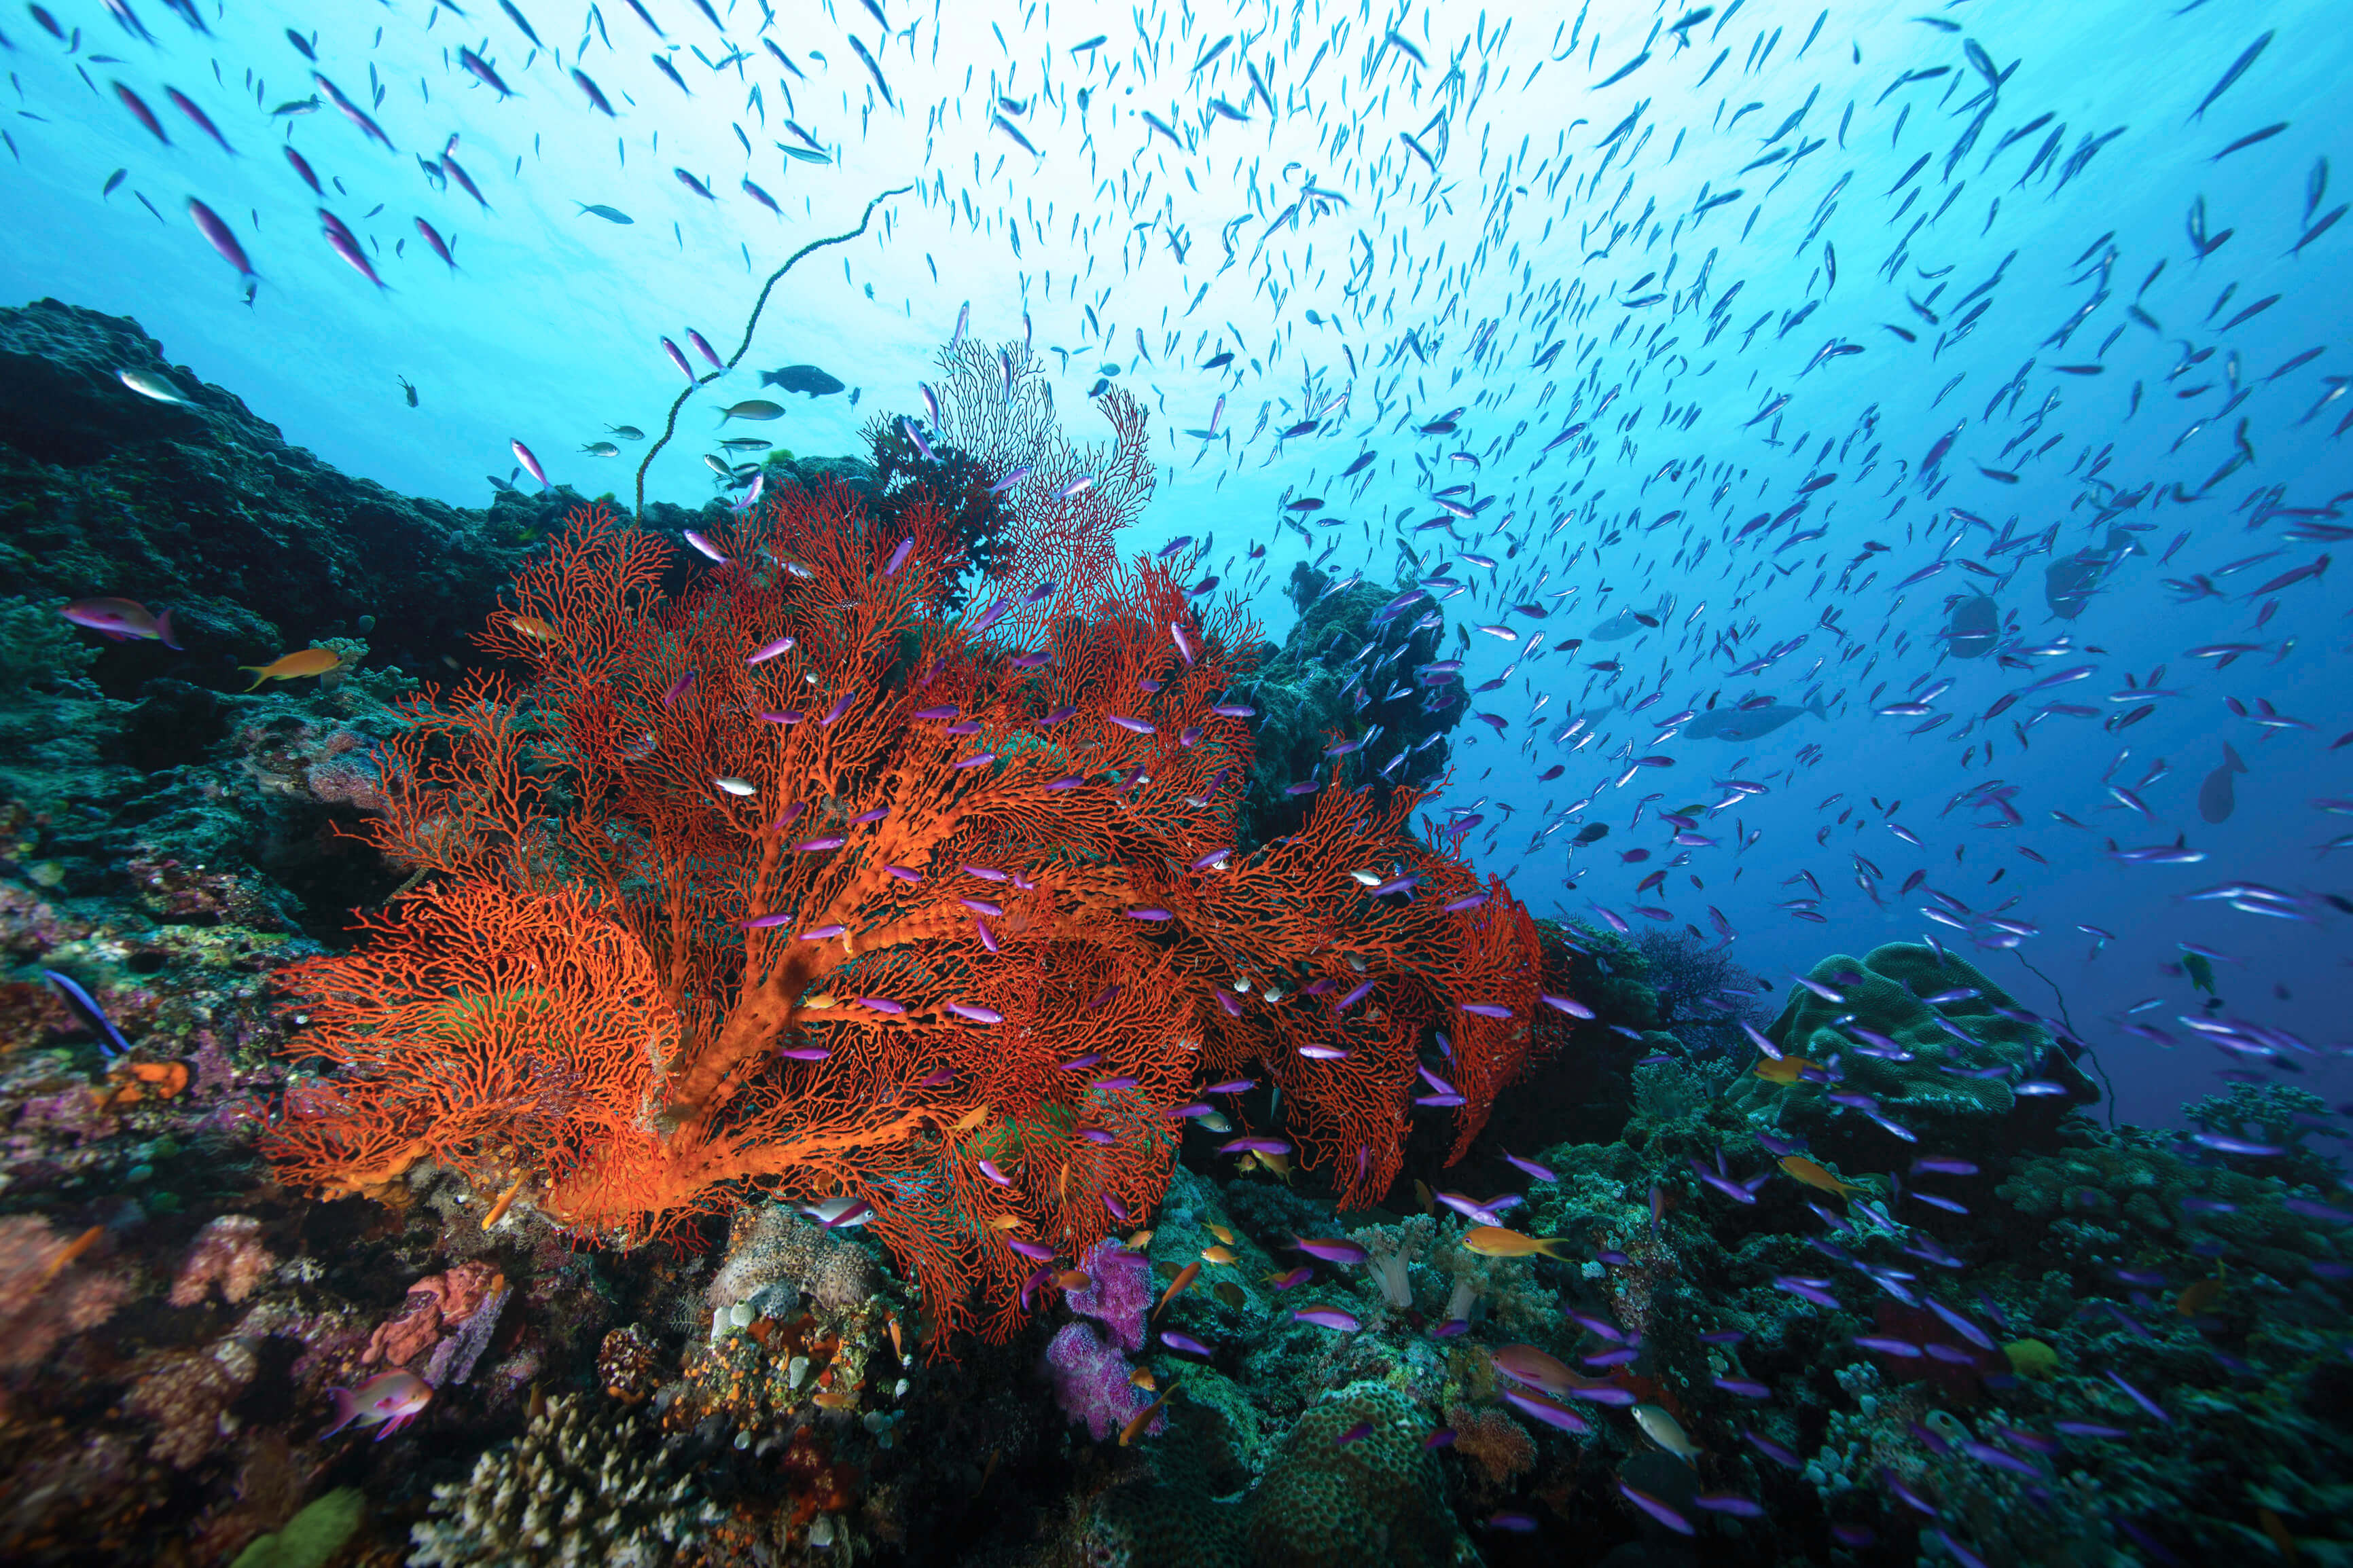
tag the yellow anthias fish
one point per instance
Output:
(1784, 1070)
(1813, 1175)
(1216, 1255)
(2200, 1295)
(1494, 1241)
(293, 666)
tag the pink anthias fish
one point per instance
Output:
(391, 1399)
(523, 455)
(121, 620)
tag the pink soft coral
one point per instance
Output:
(228, 1253)
(1092, 1383)
(1118, 1292)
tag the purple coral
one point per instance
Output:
(1118, 1292)
(1092, 1383)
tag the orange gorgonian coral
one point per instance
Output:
(792, 884)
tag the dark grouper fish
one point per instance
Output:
(1976, 624)
(801, 378)
(1737, 724)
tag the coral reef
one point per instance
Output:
(1343, 689)
(575, 1488)
(257, 546)
(188, 1396)
(853, 930)
(1094, 1385)
(48, 1290)
(1946, 1072)
(229, 1257)
(772, 1245)
(1377, 1496)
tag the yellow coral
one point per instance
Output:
(2031, 1358)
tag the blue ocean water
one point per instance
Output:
(1614, 215)
(1879, 463)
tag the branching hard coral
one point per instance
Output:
(793, 884)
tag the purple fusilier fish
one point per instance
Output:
(2137, 1397)
(1328, 1318)
(432, 237)
(347, 245)
(1656, 1509)
(1728, 1503)
(1329, 1249)
(214, 230)
(1255, 1144)
(1551, 1412)
(1470, 1208)
(1185, 1342)
(449, 167)
(480, 70)
(355, 114)
(309, 176)
(531, 464)
(180, 100)
(1530, 1167)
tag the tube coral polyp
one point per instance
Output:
(793, 884)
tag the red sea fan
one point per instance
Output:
(787, 885)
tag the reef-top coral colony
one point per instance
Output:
(915, 1008)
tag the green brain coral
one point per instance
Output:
(1377, 1498)
(1945, 1084)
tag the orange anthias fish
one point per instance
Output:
(1494, 1241)
(1815, 1176)
(1216, 1255)
(498, 1210)
(1144, 1418)
(293, 666)
(534, 627)
(391, 1399)
(1785, 1070)
(1190, 1272)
